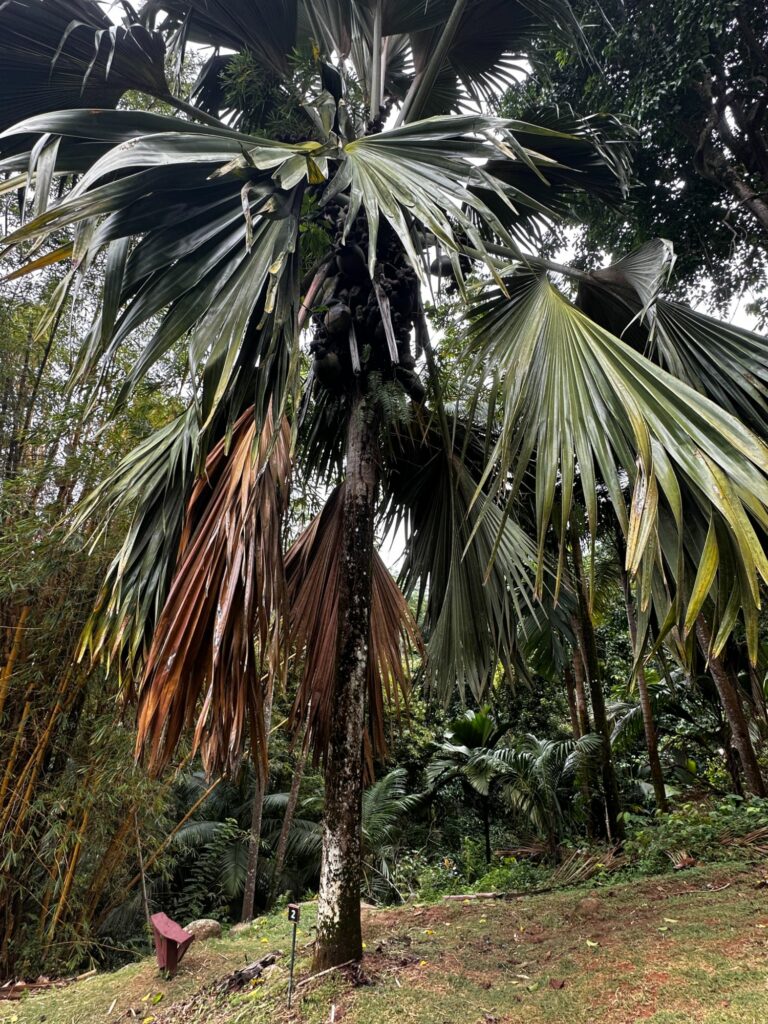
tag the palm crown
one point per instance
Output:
(336, 162)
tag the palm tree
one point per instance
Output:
(329, 151)
(473, 733)
(537, 777)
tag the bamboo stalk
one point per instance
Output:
(5, 675)
(142, 872)
(11, 763)
(69, 878)
(105, 868)
(35, 761)
(164, 845)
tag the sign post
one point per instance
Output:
(294, 913)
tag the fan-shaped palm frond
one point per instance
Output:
(446, 174)
(471, 49)
(470, 613)
(592, 408)
(724, 362)
(473, 733)
(57, 54)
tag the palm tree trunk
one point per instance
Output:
(339, 935)
(586, 634)
(290, 810)
(570, 689)
(257, 812)
(487, 827)
(758, 697)
(734, 712)
(649, 727)
(577, 703)
(580, 693)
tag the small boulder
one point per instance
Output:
(205, 928)
(589, 907)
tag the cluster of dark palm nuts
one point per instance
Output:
(363, 325)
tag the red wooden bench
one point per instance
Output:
(171, 942)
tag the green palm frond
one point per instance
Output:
(57, 54)
(724, 362)
(196, 834)
(385, 804)
(444, 174)
(217, 216)
(232, 867)
(727, 363)
(468, 739)
(267, 28)
(152, 483)
(592, 410)
(470, 618)
(483, 55)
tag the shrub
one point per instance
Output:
(703, 831)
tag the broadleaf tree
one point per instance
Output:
(338, 162)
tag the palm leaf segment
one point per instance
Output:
(57, 54)
(313, 566)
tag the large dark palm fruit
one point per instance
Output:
(349, 313)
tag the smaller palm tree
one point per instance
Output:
(537, 778)
(461, 756)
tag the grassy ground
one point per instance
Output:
(683, 949)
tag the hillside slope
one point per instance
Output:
(679, 949)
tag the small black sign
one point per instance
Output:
(294, 912)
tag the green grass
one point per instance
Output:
(647, 951)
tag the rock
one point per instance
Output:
(243, 926)
(589, 907)
(205, 928)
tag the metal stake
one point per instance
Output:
(294, 913)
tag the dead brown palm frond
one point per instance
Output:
(578, 866)
(227, 595)
(757, 840)
(681, 859)
(312, 568)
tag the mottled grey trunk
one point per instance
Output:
(580, 694)
(257, 812)
(339, 936)
(290, 810)
(570, 689)
(727, 689)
